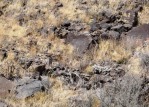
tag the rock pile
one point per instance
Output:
(103, 74)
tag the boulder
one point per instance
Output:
(27, 87)
(80, 42)
(137, 36)
(114, 35)
(141, 31)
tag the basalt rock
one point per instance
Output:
(141, 31)
(138, 35)
(80, 42)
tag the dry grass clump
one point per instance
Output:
(138, 63)
(111, 50)
(9, 27)
(144, 15)
(10, 68)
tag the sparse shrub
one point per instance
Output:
(123, 93)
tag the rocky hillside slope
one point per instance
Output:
(74, 53)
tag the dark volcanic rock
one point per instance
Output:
(3, 54)
(105, 35)
(138, 35)
(58, 4)
(80, 42)
(140, 31)
(66, 24)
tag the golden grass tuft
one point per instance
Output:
(135, 64)
(11, 28)
(110, 50)
(144, 15)
(95, 101)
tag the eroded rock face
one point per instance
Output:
(6, 87)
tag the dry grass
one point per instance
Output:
(138, 62)
(144, 15)
(9, 27)
(110, 50)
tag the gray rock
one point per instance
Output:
(117, 27)
(27, 87)
(114, 35)
(105, 26)
(127, 26)
(2, 104)
(93, 27)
